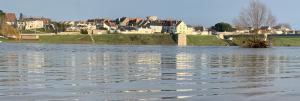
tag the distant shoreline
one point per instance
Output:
(143, 39)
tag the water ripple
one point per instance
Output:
(45, 72)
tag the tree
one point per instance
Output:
(21, 17)
(60, 27)
(5, 29)
(256, 16)
(223, 27)
(2, 18)
(84, 31)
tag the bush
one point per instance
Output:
(252, 41)
(84, 31)
(256, 44)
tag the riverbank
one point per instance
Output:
(276, 40)
(204, 40)
(286, 41)
(124, 39)
(145, 39)
(109, 39)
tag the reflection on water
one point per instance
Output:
(36, 72)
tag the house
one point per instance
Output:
(96, 21)
(30, 23)
(206, 32)
(169, 26)
(127, 30)
(134, 21)
(46, 21)
(242, 30)
(182, 28)
(297, 31)
(265, 30)
(135, 30)
(281, 29)
(156, 26)
(85, 25)
(126, 21)
(103, 26)
(113, 26)
(144, 23)
(123, 21)
(81, 24)
(201, 30)
(21, 25)
(33, 23)
(178, 27)
(71, 23)
(152, 18)
(91, 26)
(76, 26)
(145, 30)
(11, 19)
(107, 25)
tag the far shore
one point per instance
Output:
(144, 39)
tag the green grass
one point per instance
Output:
(110, 39)
(57, 39)
(286, 41)
(134, 39)
(140, 39)
(275, 40)
(204, 40)
(6, 40)
(65, 39)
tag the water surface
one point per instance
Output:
(49, 72)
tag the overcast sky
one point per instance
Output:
(196, 12)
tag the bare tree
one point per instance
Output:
(255, 16)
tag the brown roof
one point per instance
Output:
(10, 17)
(156, 23)
(169, 22)
(111, 24)
(179, 23)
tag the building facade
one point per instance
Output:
(11, 19)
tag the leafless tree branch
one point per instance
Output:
(255, 16)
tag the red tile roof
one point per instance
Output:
(10, 17)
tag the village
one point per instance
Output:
(126, 25)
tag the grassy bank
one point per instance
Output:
(140, 39)
(204, 40)
(286, 41)
(275, 40)
(110, 39)
(137, 39)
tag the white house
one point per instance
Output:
(31, 24)
(156, 27)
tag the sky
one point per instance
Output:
(194, 12)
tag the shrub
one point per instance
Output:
(84, 31)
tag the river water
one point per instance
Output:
(49, 72)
